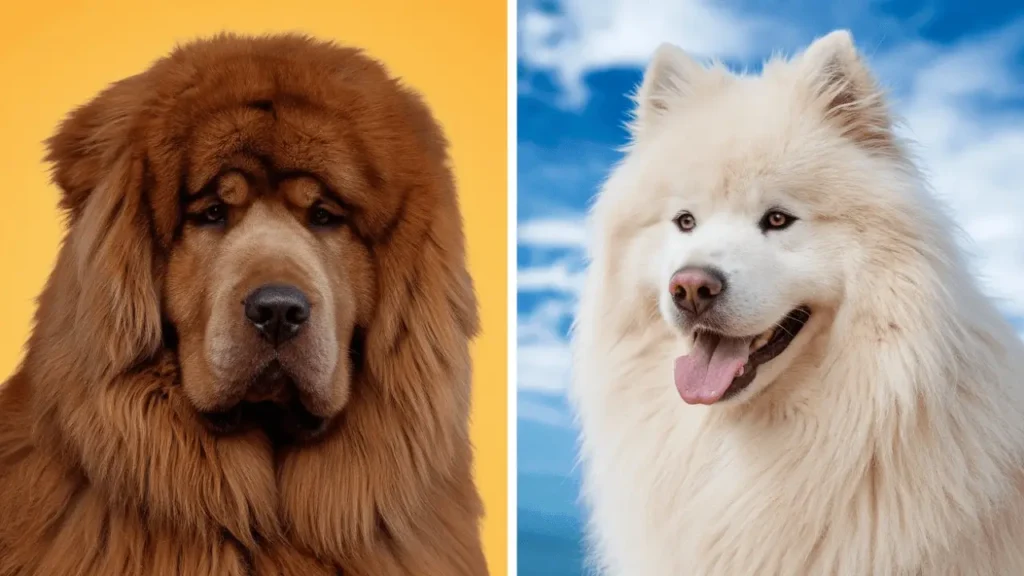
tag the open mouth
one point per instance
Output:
(719, 367)
(273, 405)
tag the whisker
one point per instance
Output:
(779, 326)
(798, 321)
(805, 313)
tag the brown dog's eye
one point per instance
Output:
(215, 214)
(776, 220)
(324, 218)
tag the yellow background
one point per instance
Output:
(56, 55)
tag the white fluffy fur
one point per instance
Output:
(888, 438)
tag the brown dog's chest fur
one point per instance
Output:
(167, 498)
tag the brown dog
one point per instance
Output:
(252, 355)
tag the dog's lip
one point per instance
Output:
(785, 332)
(284, 423)
(272, 403)
(785, 329)
(272, 384)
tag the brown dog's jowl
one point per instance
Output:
(252, 356)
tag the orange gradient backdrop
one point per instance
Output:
(56, 55)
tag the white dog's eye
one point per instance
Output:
(776, 220)
(685, 221)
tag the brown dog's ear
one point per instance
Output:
(417, 356)
(427, 311)
(109, 244)
(91, 138)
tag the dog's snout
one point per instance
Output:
(277, 311)
(694, 289)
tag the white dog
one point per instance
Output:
(845, 401)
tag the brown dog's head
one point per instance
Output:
(265, 289)
(276, 210)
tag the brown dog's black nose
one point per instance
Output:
(277, 311)
(694, 290)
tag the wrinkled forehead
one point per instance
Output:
(274, 141)
(271, 133)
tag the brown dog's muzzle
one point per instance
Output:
(280, 321)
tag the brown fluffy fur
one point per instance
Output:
(105, 467)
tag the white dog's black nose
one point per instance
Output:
(277, 311)
(695, 289)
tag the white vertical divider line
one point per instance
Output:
(512, 197)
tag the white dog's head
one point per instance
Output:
(745, 203)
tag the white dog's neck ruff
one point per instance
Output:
(895, 454)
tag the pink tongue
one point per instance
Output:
(705, 375)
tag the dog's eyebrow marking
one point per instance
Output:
(204, 192)
(324, 188)
(213, 186)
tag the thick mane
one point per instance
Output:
(919, 391)
(99, 438)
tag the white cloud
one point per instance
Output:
(592, 34)
(542, 413)
(558, 278)
(544, 367)
(543, 357)
(553, 233)
(973, 154)
(544, 360)
(564, 235)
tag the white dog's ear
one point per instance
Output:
(670, 76)
(848, 92)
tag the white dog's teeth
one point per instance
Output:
(741, 371)
(763, 339)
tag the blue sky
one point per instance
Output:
(955, 72)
